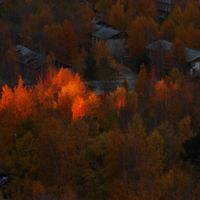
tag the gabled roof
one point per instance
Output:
(192, 54)
(28, 57)
(104, 32)
(95, 21)
(101, 23)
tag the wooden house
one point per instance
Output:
(161, 47)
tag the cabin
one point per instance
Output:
(165, 7)
(161, 47)
(114, 39)
(31, 64)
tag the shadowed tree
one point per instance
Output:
(176, 16)
(168, 30)
(142, 32)
(192, 150)
(116, 16)
(191, 14)
(146, 8)
(141, 82)
(24, 158)
(193, 38)
(100, 50)
(181, 33)
(54, 40)
(137, 38)
(70, 45)
(80, 62)
(177, 56)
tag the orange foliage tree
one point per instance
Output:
(114, 163)
(191, 14)
(15, 106)
(100, 50)
(80, 62)
(142, 32)
(181, 33)
(18, 101)
(23, 102)
(193, 38)
(116, 16)
(78, 108)
(54, 39)
(161, 101)
(141, 82)
(70, 45)
(83, 27)
(61, 41)
(147, 8)
(89, 13)
(62, 91)
(121, 101)
(137, 38)
(38, 21)
(168, 30)
(177, 55)
(65, 91)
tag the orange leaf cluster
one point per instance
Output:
(78, 108)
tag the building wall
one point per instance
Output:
(195, 67)
(165, 7)
(117, 47)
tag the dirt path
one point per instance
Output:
(128, 74)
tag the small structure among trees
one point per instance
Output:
(114, 39)
(33, 64)
(168, 55)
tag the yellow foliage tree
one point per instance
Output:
(176, 16)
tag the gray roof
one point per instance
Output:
(29, 58)
(104, 32)
(192, 54)
(95, 21)
(108, 85)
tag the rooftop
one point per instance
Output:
(28, 57)
(104, 32)
(192, 54)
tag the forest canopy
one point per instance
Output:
(61, 140)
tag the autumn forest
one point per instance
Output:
(60, 140)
